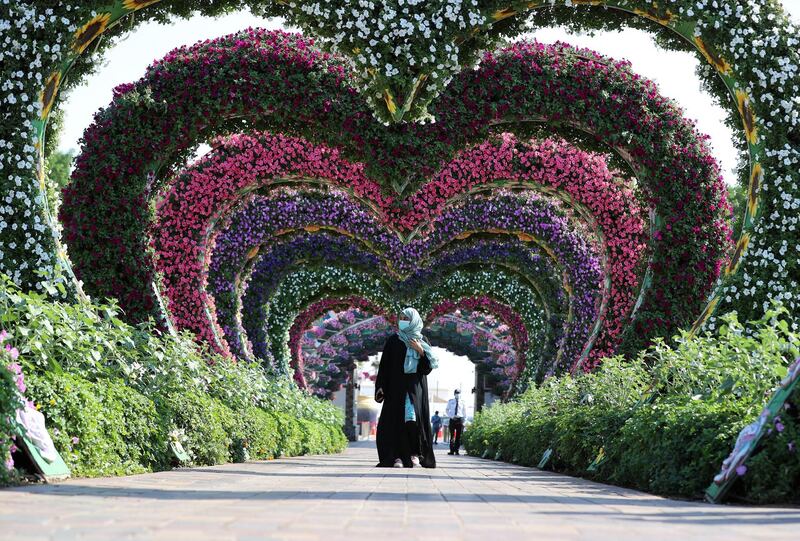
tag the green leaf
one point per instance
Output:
(726, 385)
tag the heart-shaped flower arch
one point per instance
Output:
(717, 33)
(501, 312)
(258, 221)
(244, 163)
(304, 287)
(305, 321)
(271, 267)
(257, 321)
(659, 143)
(334, 342)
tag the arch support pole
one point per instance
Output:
(350, 405)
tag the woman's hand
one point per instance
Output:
(417, 347)
(379, 396)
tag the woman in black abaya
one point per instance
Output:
(404, 433)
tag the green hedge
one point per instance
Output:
(674, 448)
(115, 395)
(100, 428)
(258, 434)
(665, 420)
(107, 428)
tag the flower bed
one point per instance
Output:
(12, 389)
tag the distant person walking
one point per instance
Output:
(436, 425)
(456, 411)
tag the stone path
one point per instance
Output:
(345, 497)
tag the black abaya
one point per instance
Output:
(392, 438)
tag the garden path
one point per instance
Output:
(345, 497)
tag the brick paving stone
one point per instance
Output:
(344, 496)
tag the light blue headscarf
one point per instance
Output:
(414, 332)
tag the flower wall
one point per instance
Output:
(256, 223)
(513, 79)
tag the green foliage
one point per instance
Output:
(258, 434)
(59, 167)
(736, 364)
(91, 340)
(674, 447)
(100, 428)
(123, 391)
(773, 472)
(737, 197)
(207, 423)
(290, 434)
(665, 420)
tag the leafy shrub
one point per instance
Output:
(113, 393)
(258, 433)
(207, 423)
(100, 428)
(773, 472)
(672, 448)
(291, 435)
(91, 340)
(665, 420)
(319, 439)
(338, 441)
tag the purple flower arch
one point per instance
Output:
(256, 223)
(273, 263)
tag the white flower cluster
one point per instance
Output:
(32, 43)
(397, 40)
(765, 56)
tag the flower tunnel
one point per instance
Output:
(511, 87)
(544, 207)
(296, 209)
(334, 342)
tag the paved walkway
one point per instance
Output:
(345, 497)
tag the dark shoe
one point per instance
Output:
(450, 453)
(457, 453)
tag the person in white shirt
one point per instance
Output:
(456, 411)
